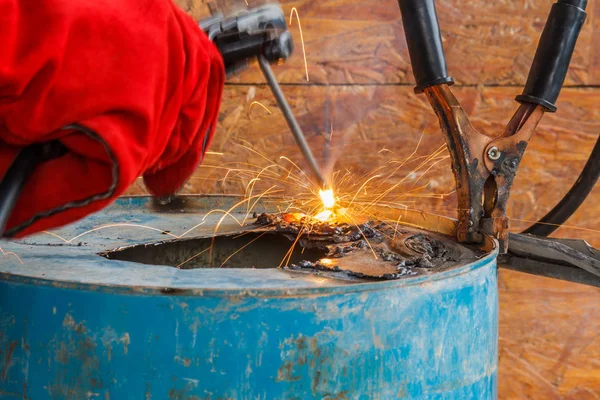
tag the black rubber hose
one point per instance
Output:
(19, 171)
(573, 199)
(553, 54)
(424, 41)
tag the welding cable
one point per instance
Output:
(424, 41)
(554, 52)
(19, 172)
(14, 180)
(573, 199)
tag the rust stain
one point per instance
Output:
(340, 396)
(69, 322)
(61, 354)
(285, 373)
(7, 358)
(181, 394)
(304, 351)
(315, 381)
(401, 392)
(126, 340)
(109, 337)
(96, 383)
(9, 394)
(74, 346)
(186, 362)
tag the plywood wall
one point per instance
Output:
(359, 92)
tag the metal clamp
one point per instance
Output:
(484, 168)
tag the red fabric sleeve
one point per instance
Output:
(138, 77)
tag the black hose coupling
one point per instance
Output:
(424, 41)
(554, 52)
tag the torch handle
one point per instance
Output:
(424, 40)
(553, 54)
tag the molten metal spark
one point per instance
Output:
(259, 178)
(128, 225)
(194, 256)
(258, 103)
(10, 253)
(326, 261)
(290, 252)
(324, 216)
(294, 10)
(162, 231)
(242, 248)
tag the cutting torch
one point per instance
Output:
(260, 33)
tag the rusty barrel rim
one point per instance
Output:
(90, 272)
(260, 292)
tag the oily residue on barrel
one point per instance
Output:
(371, 250)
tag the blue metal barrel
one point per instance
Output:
(78, 326)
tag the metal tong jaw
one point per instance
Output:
(484, 167)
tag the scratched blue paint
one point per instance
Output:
(70, 331)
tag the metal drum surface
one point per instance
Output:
(74, 325)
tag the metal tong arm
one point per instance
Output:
(484, 168)
(566, 259)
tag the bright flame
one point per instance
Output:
(293, 217)
(324, 215)
(328, 201)
(327, 198)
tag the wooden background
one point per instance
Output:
(360, 88)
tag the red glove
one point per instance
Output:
(138, 74)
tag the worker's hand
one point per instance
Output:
(130, 87)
